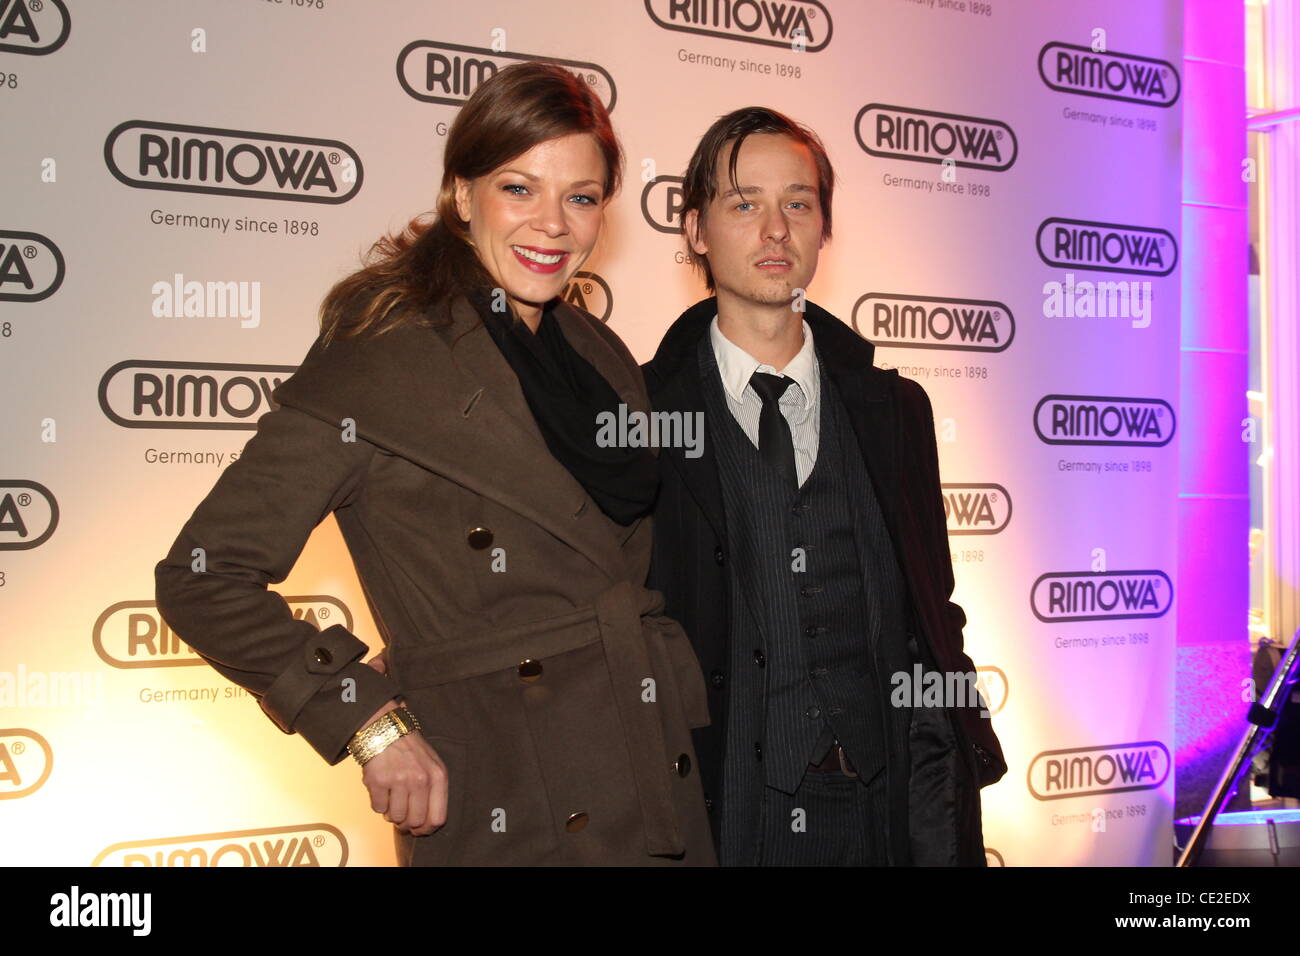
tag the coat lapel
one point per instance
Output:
(446, 399)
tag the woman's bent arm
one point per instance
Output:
(247, 533)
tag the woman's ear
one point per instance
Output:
(463, 188)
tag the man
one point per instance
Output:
(805, 551)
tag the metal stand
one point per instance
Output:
(1262, 716)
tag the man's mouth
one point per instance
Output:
(540, 260)
(774, 264)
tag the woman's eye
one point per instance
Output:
(512, 186)
(587, 200)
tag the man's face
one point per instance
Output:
(762, 242)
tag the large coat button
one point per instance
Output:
(323, 655)
(479, 538)
(529, 670)
(682, 765)
(576, 821)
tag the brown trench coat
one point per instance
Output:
(444, 444)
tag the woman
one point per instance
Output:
(534, 707)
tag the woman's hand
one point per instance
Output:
(407, 782)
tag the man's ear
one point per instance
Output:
(691, 224)
(462, 198)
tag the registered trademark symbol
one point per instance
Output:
(993, 496)
(996, 315)
(324, 613)
(318, 840)
(29, 252)
(1160, 411)
(997, 134)
(591, 79)
(18, 746)
(1160, 240)
(335, 159)
(812, 14)
(587, 287)
(36, 5)
(24, 499)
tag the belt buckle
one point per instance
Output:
(844, 764)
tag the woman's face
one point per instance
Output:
(535, 219)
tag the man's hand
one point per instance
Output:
(407, 780)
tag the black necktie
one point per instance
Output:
(774, 441)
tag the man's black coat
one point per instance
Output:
(954, 751)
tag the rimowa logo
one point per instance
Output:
(1102, 420)
(1063, 596)
(589, 292)
(313, 844)
(1113, 76)
(25, 762)
(932, 322)
(36, 28)
(231, 162)
(449, 73)
(133, 634)
(976, 508)
(1084, 771)
(924, 136)
(31, 267)
(28, 514)
(661, 203)
(141, 394)
(783, 23)
(1107, 247)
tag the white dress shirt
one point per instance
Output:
(800, 404)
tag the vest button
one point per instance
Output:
(717, 679)
(759, 659)
(758, 751)
(810, 630)
(718, 556)
(813, 712)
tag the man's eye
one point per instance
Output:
(746, 203)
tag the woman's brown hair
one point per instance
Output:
(404, 274)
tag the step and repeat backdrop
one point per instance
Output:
(182, 182)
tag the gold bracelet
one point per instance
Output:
(377, 736)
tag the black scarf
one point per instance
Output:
(565, 394)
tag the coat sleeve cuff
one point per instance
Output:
(328, 695)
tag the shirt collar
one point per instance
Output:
(737, 366)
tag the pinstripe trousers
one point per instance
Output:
(831, 820)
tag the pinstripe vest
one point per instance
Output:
(803, 643)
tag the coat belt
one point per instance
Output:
(613, 618)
